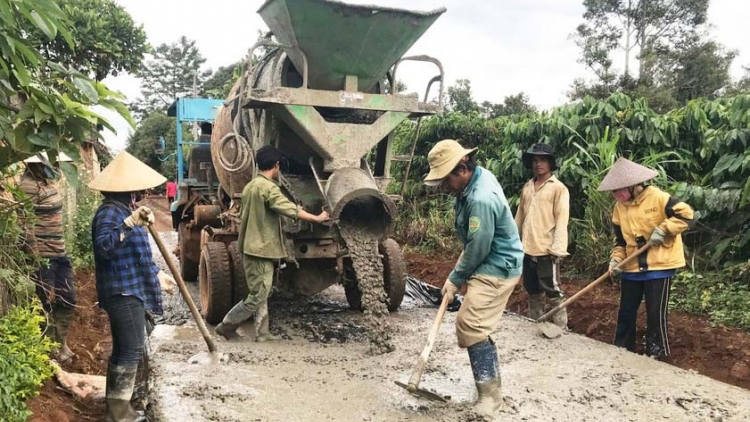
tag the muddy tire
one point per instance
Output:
(215, 282)
(188, 267)
(394, 277)
(239, 282)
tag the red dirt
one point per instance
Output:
(712, 350)
(90, 339)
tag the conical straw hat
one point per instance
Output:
(126, 174)
(625, 173)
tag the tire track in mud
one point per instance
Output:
(368, 267)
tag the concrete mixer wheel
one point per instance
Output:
(188, 267)
(394, 277)
(239, 282)
(215, 282)
(394, 273)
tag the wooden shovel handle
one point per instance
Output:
(593, 284)
(183, 289)
(416, 375)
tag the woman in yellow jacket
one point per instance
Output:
(645, 214)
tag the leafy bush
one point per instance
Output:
(701, 150)
(24, 360)
(723, 296)
(78, 241)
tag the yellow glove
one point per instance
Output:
(143, 216)
(167, 282)
(450, 289)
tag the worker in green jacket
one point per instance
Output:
(261, 242)
(490, 264)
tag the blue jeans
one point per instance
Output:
(127, 321)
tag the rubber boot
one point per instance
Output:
(232, 320)
(561, 317)
(536, 305)
(486, 369)
(261, 325)
(120, 382)
(61, 319)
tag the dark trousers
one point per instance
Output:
(127, 321)
(54, 283)
(657, 302)
(541, 274)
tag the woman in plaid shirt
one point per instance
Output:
(128, 282)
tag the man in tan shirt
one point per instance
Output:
(542, 220)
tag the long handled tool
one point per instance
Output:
(551, 330)
(183, 289)
(416, 375)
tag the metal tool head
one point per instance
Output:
(418, 392)
(550, 330)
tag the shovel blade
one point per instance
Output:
(418, 392)
(550, 330)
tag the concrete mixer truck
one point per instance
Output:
(320, 94)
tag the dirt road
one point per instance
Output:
(322, 371)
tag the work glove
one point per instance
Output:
(614, 271)
(449, 289)
(167, 282)
(143, 216)
(657, 237)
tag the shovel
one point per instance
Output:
(213, 355)
(551, 330)
(416, 375)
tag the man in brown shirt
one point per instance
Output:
(542, 220)
(44, 238)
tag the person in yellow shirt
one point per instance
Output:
(260, 243)
(645, 214)
(542, 220)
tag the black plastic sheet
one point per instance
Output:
(422, 293)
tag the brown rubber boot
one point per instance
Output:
(261, 325)
(536, 305)
(490, 397)
(120, 383)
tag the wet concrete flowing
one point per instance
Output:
(363, 250)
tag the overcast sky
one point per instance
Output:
(502, 46)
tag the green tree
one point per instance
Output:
(741, 86)
(460, 98)
(44, 105)
(144, 142)
(512, 104)
(221, 82)
(698, 70)
(107, 41)
(172, 72)
(641, 27)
